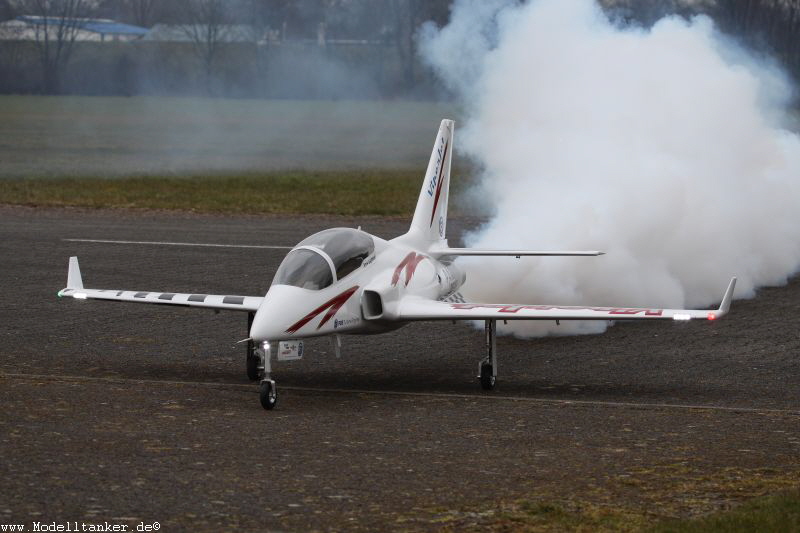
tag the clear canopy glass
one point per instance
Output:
(306, 269)
(347, 249)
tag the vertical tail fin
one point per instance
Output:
(430, 217)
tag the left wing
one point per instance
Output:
(414, 308)
(76, 290)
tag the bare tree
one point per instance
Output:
(143, 12)
(7, 11)
(56, 25)
(261, 16)
(12, 49)
(207, 26)
(772, 25)
(406, 17)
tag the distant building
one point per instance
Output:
(30, 27)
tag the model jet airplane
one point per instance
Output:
(346, 281)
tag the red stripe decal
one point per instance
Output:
(332, 305)
(439, 186)
(511, 308)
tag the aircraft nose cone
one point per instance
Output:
(265, 327)
(262, 329)
(271, 319)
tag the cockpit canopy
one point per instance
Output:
(324, 258)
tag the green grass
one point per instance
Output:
(385, 193)
(724, 500)
(216, 155)
(776, 513)
(44, 136)
(540, 516)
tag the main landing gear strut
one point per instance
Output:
(487, 369)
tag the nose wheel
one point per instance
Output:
(268, 394)
(267, 391)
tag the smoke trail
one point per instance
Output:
(661, 146)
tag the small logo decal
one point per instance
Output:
(337, 323)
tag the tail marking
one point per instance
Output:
(409, 263)
(441, 163)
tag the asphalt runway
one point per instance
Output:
(128, 414)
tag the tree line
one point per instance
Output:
(376, 37)
(388, 23)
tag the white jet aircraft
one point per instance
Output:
(346, 281)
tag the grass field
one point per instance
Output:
(357, 192)
(44, 136)
(216, 155)
(776, 513)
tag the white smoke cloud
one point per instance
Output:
(662, 147)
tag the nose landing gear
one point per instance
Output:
(259, 367)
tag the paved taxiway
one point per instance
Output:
(143, 413)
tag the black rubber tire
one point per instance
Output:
(487, 377)
(252, 368)
(268, 395)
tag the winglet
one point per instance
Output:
(725, 306)
(74, 280)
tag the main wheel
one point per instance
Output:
(252, 367)
(268, 395)
(488, 378)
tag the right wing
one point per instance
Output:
(76, 290)
(414, 308)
